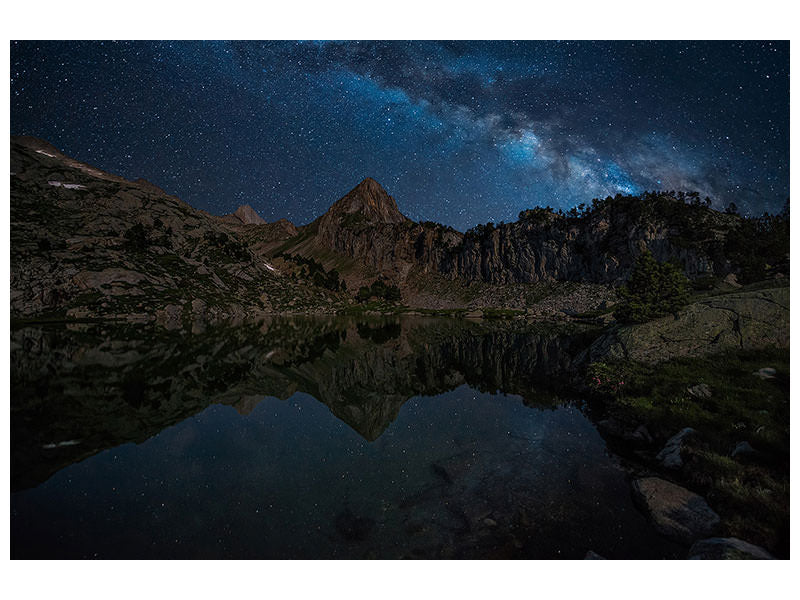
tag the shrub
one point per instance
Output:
(704, 283)
(654, 290)
(606, 379)
(759, 246)
(137, 238)
(379, 289)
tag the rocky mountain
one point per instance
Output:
(88, 243)
(366, 203)
(365, 236)
(598, 244)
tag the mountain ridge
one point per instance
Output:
(78, 232)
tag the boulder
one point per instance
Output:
(614, 428)
(700, 391)
(727, 549)
(642, 434)
(670, 455)
(170, 316)
(676, 512)
(592, 555)
(744, 450)
(198, 307)
(730, 279)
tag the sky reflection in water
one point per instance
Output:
(453, 475)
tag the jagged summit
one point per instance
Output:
(248, 216)
(369, 200)
(244, 215)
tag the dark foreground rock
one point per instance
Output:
(670, 455)
(727, 549)
(612, 427)
(676, 512)
(744, 450)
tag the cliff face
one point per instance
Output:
(600, 246)
(367, 225)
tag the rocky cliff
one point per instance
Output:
(595, 245)
(599, 246)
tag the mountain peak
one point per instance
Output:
(370, 200)
(248, 216)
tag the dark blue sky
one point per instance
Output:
(458, 132)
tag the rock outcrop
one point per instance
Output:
(600, 246)
(676, 512)
(742, 320)
(727, 549)
(670, 456)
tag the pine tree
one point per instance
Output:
(654, 290)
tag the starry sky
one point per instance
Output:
(458, 132)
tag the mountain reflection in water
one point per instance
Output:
(448, 439)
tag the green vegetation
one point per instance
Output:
(760, 246)
(654, 290)
(315, 271)
(230, 247)
(380, 290)
(751, 494)
(704, 284)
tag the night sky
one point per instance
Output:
(458, 132)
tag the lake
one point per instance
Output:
(412, 437)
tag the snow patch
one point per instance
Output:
(271, 268)
(61, 444)
(46, 153)
(68, 186)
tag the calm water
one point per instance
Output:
(415, 438)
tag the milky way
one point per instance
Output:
(458, 132)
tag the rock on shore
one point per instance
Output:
(676, 512)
